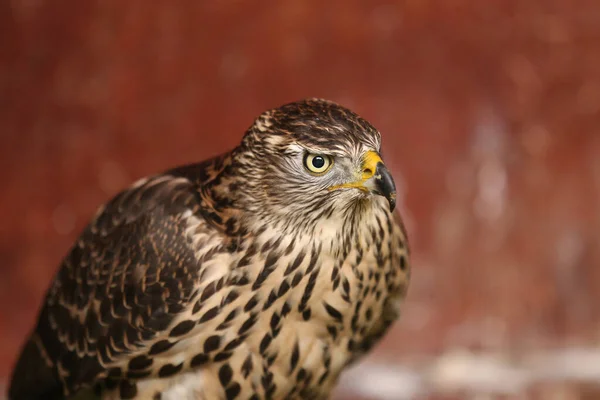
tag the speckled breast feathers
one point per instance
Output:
(258, 274)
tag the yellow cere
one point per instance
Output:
(370, 161)
(355, 185)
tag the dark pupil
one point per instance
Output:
(318, 162)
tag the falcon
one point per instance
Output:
(261, 273)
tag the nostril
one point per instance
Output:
(368, 173)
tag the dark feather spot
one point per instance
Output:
(208, 291)
(334, 273)
(270, 300)
(222, 356)
(301, 374)
(182, 328)
(275, 321)
(377, 277)
(223, 325)
(210, 314)
(231, 315)
(283, 288)
(212, 343)
(271, 359)
(247, 366)
(264, 343)
(368, 314)
(160, 346)
(240, 280)
(336, 283)
(354, 322)
(199, 359)
(169, 370)
(248, 324)
(295, 264)
(231, 296)
(197, 307)
(297, 278)
(295, 357)
(346, 286)
(333, 312)
(290, 246)
(313, 259)
(225, 374)
(251, 303)
(267, 380)
(267, 269)
(233, 391)
(351, 345)
(323, 377)
(140, 362)
(306, 314)
(234, 343)
(332, 331)
(357, 306)
(309, 288)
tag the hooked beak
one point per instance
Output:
(375, 179)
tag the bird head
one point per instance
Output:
(314, 158)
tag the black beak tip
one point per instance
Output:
(386, 185)
(392, 200)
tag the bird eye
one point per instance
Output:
(317, 164)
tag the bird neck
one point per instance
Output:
(216, 184)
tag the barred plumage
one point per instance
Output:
(243, 276)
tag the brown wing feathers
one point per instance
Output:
(122, 282)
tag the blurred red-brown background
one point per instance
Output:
(489, 110)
